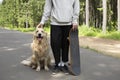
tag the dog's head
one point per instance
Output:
(39, 34)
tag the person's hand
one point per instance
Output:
(74, 27)
(40, 26)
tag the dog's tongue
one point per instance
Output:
(39, 39)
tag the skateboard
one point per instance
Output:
(74, 53)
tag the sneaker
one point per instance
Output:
(65, 69)
(56, 69)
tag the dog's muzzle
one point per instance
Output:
(39, 37)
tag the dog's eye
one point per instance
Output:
(36, 31)
(42, 31)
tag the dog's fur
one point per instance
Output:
(40, 49)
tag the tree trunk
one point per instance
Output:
(87, 13)
(118, 15)
(104, 15)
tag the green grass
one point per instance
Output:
(83, 31)
(24, 29)
(111, 35)
(47, 29)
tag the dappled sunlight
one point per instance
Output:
(58, 75)
(106, 46)
(3, 47)
(7, 48)
(27, 44)
(62, 76)
(117, 45)
(113, 51)
(102, 65)
(101, 74)
(23, 56)
(10, 49)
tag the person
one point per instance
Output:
(63, 15)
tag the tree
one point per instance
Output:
(24, 13)
(21, 13)
(112, 15)
(118, 15)
(87, 13)
(104, 15)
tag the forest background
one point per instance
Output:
(97, 17)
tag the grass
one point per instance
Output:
(24, 29)
(47, 29)
(111, 35)
(83, 31)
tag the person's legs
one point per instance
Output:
(65, 42)
(65, 47)
(59, 42)
(56, 42)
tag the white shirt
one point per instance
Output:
(61, 12)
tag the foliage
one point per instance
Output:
(21, 29)
(32, 29)
(91, 31)
(111, 35)
(27, 14)
(21, 13)
(85, 31)
(96, 13)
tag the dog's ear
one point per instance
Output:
(39, 26)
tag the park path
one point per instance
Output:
(106, 46)
(15, 46)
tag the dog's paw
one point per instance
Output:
(46, 68)
(38, 69)
(33, 66)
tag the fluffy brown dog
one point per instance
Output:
(40, 49)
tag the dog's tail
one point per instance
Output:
(26, 62)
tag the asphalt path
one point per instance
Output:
(15, 47)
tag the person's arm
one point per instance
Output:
(46, 13)
(76, 10)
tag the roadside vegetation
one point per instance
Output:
(101, 17)
(94, 32)
(83, 31)
(31, 29)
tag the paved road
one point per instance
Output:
(14, 47)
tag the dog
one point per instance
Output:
(40, 48)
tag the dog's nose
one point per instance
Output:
(39, 34)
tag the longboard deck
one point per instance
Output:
(74, 67)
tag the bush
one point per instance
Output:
(88, 31)
(111, 35)
(91, 31)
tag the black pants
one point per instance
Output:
(59, 42)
